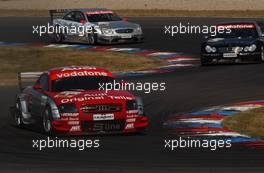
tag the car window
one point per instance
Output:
(106, 17)
(78, 16)
(44, 82)
(69, 16)
(80, 83)
(74, 16)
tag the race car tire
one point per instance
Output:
(262, 54)
(260, 59)
(92, 39)
(46, 122)
(18, 115)
(58, 37)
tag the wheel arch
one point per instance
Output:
(53, 108)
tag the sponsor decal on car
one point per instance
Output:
(68, 94)
(238, 26)
(80, 73)
(78, 68)
(82, 99)
(73, 122)
(99, 12)
(75, 128)
(131, 120)
(129, 126)
(70, 118)
(132, 111)
(99, 117)
(69, 114)
(131, 115)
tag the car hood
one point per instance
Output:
(219, 42)
(91, 97)
(117, 24)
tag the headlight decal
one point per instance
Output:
(250, 48)
(67, 108)
(107, 31)
(210, 49)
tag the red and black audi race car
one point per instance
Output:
(68, 100)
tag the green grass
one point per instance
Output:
(249, 122)
(21, 59)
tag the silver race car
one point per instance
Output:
(93, 26)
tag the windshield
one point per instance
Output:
(239, 32)
(80, 83)
(103, 17)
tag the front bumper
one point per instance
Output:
(125, 38)
(235, 58)
(76, 126)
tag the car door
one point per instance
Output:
(79, 19)
(68, 22)
(39, 97)
(73, 22)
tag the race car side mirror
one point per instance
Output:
(37, 87)
(125, 18)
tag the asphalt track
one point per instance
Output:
(187, 90)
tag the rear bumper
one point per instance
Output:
(130, 125)
(241, 57)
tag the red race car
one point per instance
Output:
(68, 100)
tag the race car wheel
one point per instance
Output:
(46, 122)
(262, 54)
(92, 39)
(18, 116)
(58, 37)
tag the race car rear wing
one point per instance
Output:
(58, 14)
(27, 78)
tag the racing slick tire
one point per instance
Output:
(262, 54)
(260, 59)
(18, 119)
(92, 39)
(47, 122)
(58, 37)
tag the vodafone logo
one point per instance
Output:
(238, 26)
(81, 73)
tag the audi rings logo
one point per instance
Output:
(103, 107)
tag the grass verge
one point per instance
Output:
(21, 59)
(154, 12)
(249, 122)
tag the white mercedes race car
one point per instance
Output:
(93, 26)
